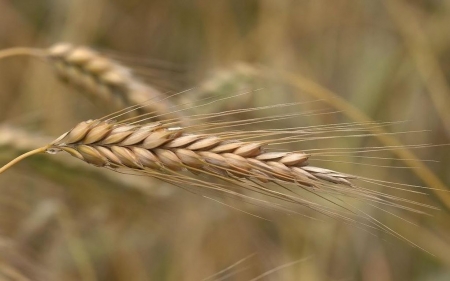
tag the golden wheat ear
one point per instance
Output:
(228, 162)
(156, 146)
(21, 157)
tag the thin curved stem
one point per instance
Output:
(21, 157)
(21, 51)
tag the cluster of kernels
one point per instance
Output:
(155, 146)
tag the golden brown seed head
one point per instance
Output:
(157, 147)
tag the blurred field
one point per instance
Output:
(389, 60)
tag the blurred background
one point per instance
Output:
(383, 60)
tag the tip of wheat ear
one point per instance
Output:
(155, 146)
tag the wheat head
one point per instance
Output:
(156, 146)
(183, 157)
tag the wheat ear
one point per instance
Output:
(163, 152)
(155, 146)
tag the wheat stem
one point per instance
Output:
(21, 51)
(21, 157)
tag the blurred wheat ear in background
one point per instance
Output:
(353, 88)
(108, 83)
